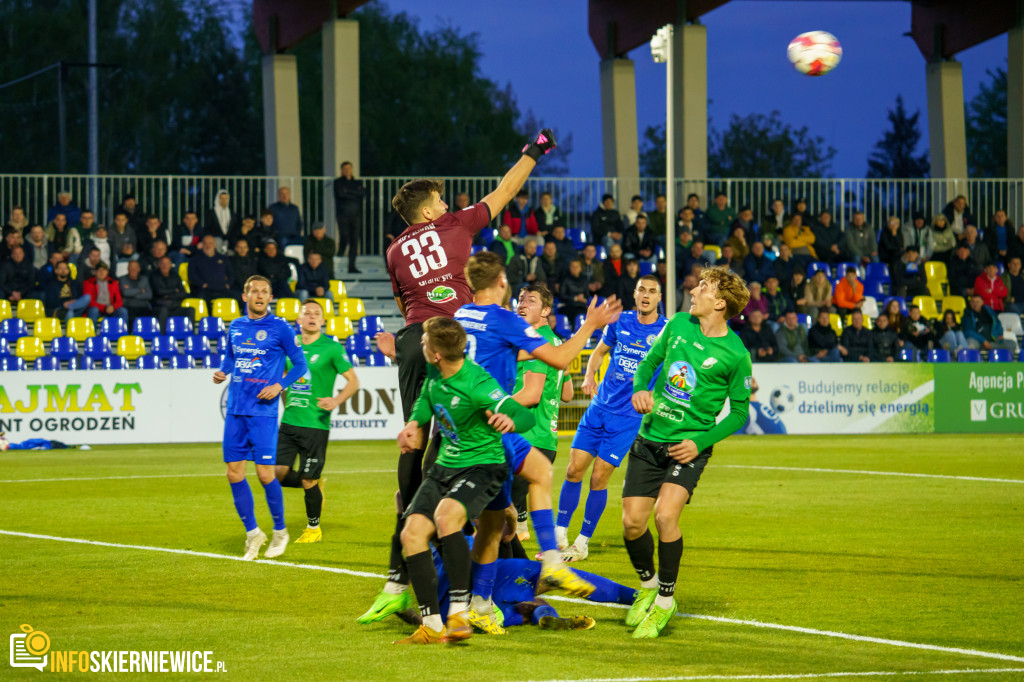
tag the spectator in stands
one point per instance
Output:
(822, 340)
(149, 260)
(606, 223)
(775, 220)
(520, 218)
(136, 291)
(700, 218)
(849, 293)
(990, 287)
(917, 330)
(895, 314)
(17, 277)
(756, 266)
(267, 229)
(686, 223)
(62, 296)
(564, 247)
(248, 229)
(800, 209)
(860, 240)
(791, 338)
(998, 235)
(778, 303)
(274, 266)
(16, 222)
(745, 219)
(526, 267)
(574, 293)
(168, 293)
(287, 218)
(314, 279)
(962, 271)
(79, 233)
(982, 328)
(101, 241)
(636, 207)
(614, 269)
(209, 273)
(503, 245)
(593, 270)
(37, 249)
(786, 263)
(657, 219)
(719, 216)
(885, 342)
(105, 295)
(685, 294)
(1013, 280)
(943, 239)
(727, 258)
(136, 216)
(554, 267)
(756, 302)
(661, 271)
(627, 284)
(827, 238)
(759, 339)
(948, 332)
(738, 242)
(57, 232)
(638, 241)
(698, 256)
(220, 220)
(185, 238)
(348, 210)
(979, 252)
(88, 262)
(45, 273)
(66, 207)
(1016, 246)
(959, 215)
(547, 215)
(11, 239)
(154, 232)
(800, 240)
(795, 290)
(317, 242)
(817, 294)
(918, 233)
(890, 242)
(855, 344)
(122, 238)
(243, 264)
(908, 275)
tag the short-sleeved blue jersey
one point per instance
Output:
(494, 338)
(254, 359)
(629, 342)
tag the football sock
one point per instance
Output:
(410, 475)
(314, 504)
(424, 583)
(397, 571)
(669, 556)
(512, 618)
(596, 501)
(568, 500)
(518, 552)
(275, 500)
(483, 579)
(244, 503)
(544, 526)
(434, 622)
(606, 590)
(541, 611)
(520, 487)
(457, 566)
(293, 479)
(663, 602)
(641, 555)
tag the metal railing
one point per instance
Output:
(170, 196)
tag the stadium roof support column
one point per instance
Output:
(946, 133)
(341, 103)
(1015, 99)
(619, 128)
(690, 100)
(281, 123)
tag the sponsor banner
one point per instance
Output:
(980, 398)
(165, 406)
(842, 398)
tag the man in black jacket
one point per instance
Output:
(822, 340)
(320, 243)
(274, 266)
(243, 264)
(638, 242)
(885, 342)
(185, 237)
(908, 275)
(348, 209)
(17, 277)
(828, 238)
(169, 292)
(606, 223)
(62, 296)
(314, 280)
(962, 271)
(210, 274)
(759, 339)
(855, 345)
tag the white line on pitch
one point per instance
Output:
(802, 676)
(873, 473)
(716, 619)
(123, 478)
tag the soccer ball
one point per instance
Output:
(814, 53)
(782, 399)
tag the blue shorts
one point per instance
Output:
(604, 435)
(516, 450)
(250, 438)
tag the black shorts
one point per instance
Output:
(308, 443)
(550, 454)
(472, 487)
(650, 466)
(412, 366)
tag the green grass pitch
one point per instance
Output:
(934, 561)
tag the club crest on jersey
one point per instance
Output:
(455, 401)
(651, 338)
(497, 394)
(441, 294)
(709, 363)
(748, 382)
(680, 382)
(261, 335)
(445, 423)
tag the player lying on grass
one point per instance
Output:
(702, 363)
(472, 412)
(306, 424)
(610, 423)
(254, 358)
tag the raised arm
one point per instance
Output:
(598, 317)
(516, 176)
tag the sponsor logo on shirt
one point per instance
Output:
(496, 394)
(709, 363)
(248, 365)
(441, 294)
(681, 381)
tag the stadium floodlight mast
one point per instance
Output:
(661, 51)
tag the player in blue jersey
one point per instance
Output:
(495, 337)
(610, 424)
(761, 419)
(254, 360)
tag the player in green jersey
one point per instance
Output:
(702, 364)
(472, 413)
(306, 424)
(539, 386)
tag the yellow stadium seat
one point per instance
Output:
(47, 328)
(183, 273)
(955, 303)
(928, 307)
(341, 327)
(868, 323)
(326, 304)
(73, 270)
(226, 309)
(131, 347)
(30, 309)
(198, 304)
(5, 309)
(29, 348)
(338, 289)
(288, 308)
(836, 322)
(352, 308)
(81, 328)
(935, 271)
(715, 249)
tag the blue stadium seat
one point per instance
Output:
(578, 322)
(968, 355)
(879, 271)
(13, 329)
(814, 266)
(353, 359)
(146, 327)
(115, 362)
(359, 345)
(803, 319)
(79, 363)
(5, 349)
(907, 355)
(938, 355)
(179, 361)
(476, 248)
(164, 346)
(148, 362)
(1020, 358)
(378, 359)
(211, 326)
(562, 326)
(489, 234)
(902, 302)
(197, 345)
(602, 253)
(874, 287)
(371, 324)
(213, 360)
(1000, 267)
(578, 237)
(841, 268)
(647, 268)
(64, 348)
(47, 363)
(178, 326)
(97, 348)
(112, 328)
(11, 363)
(1000, 355)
